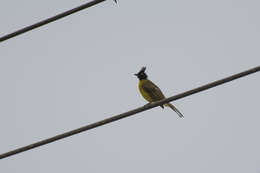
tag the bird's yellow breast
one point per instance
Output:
(144, 93)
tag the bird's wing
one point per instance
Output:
(154, 92)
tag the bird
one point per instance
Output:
(152, 92)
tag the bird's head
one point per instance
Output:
(141, 74)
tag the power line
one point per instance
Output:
(51, 19)
(130, 113)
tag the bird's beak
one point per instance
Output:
(136, 74)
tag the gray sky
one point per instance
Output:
(80, 69)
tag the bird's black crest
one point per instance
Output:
(141, 74)
(142, 70)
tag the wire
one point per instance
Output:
(130, 113)
(51, 19)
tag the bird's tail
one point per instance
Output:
(174, 109)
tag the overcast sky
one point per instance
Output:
(79, 70)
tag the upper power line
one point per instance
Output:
(51, 19)
(130, 113)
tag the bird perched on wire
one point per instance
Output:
(151, 92)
